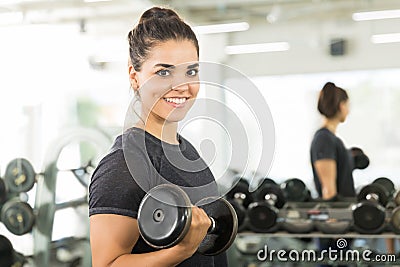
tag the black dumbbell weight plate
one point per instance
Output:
(374, 190)
(395, 220)
(268, 191)
(164, 216)
(262, 217)
(397, 198)
(386, 183)
(19, 176)
(240, 212)
(18, 217)
(6, 252)
(226, 229)
(241, 193)
(368, 217)
(295, 190)
(3, 192)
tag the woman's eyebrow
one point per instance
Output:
(164, 65)
(193, 66)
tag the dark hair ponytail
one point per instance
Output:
(157, 25)
(330, 98)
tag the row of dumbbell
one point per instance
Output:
(8, 256)
(15, 213)
(265, 210)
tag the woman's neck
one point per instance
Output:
(165, 131)
(331, 124)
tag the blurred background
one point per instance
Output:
(63, 65)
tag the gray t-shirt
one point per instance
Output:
(326, 145)
(137, 162)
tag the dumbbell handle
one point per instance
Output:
(372, 196)
(271, 199)
(213, 226)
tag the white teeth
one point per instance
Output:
(176, 100)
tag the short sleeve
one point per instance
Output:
(323, 147)
(112, 188)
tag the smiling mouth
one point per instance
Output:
(175, 100)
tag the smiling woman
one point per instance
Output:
(163, 72)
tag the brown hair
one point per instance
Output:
(157, 25)
(330, 98)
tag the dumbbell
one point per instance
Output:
(19, 176)
(240, 198)
(3, 192)
(8, 256)
(369, 214)
(387, 184)
(361, 161)
(17, 216)
(295, 190)
(263, 213)
(165, 216)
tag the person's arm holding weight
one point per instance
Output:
(112, 248)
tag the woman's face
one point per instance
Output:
(168, 81)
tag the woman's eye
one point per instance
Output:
(163, 72)
(192, 72)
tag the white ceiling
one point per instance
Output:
(199, 12)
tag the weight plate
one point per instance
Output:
(387, 184)
(368, 217)
(395, 220)
(295, 190)
(164, 216)
(241, 193)
(3, 192)
(18, 217)
(226, 229)
(374, 192)
(397, 198)
(361, 161)
(272, 194)
(240, 212)
(265, 181)
(6, 252)
(19, 176)
(262, 217)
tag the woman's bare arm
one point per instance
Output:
(112, 238)
(326, 170)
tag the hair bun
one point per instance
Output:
(329, 86)
(158, 13)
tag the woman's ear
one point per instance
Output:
(133, 77)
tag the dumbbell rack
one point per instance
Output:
(281, 234)
(45, 202)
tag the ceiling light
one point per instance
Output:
(221, 28)
(375, 15)
(257, 48)
(385, 38)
